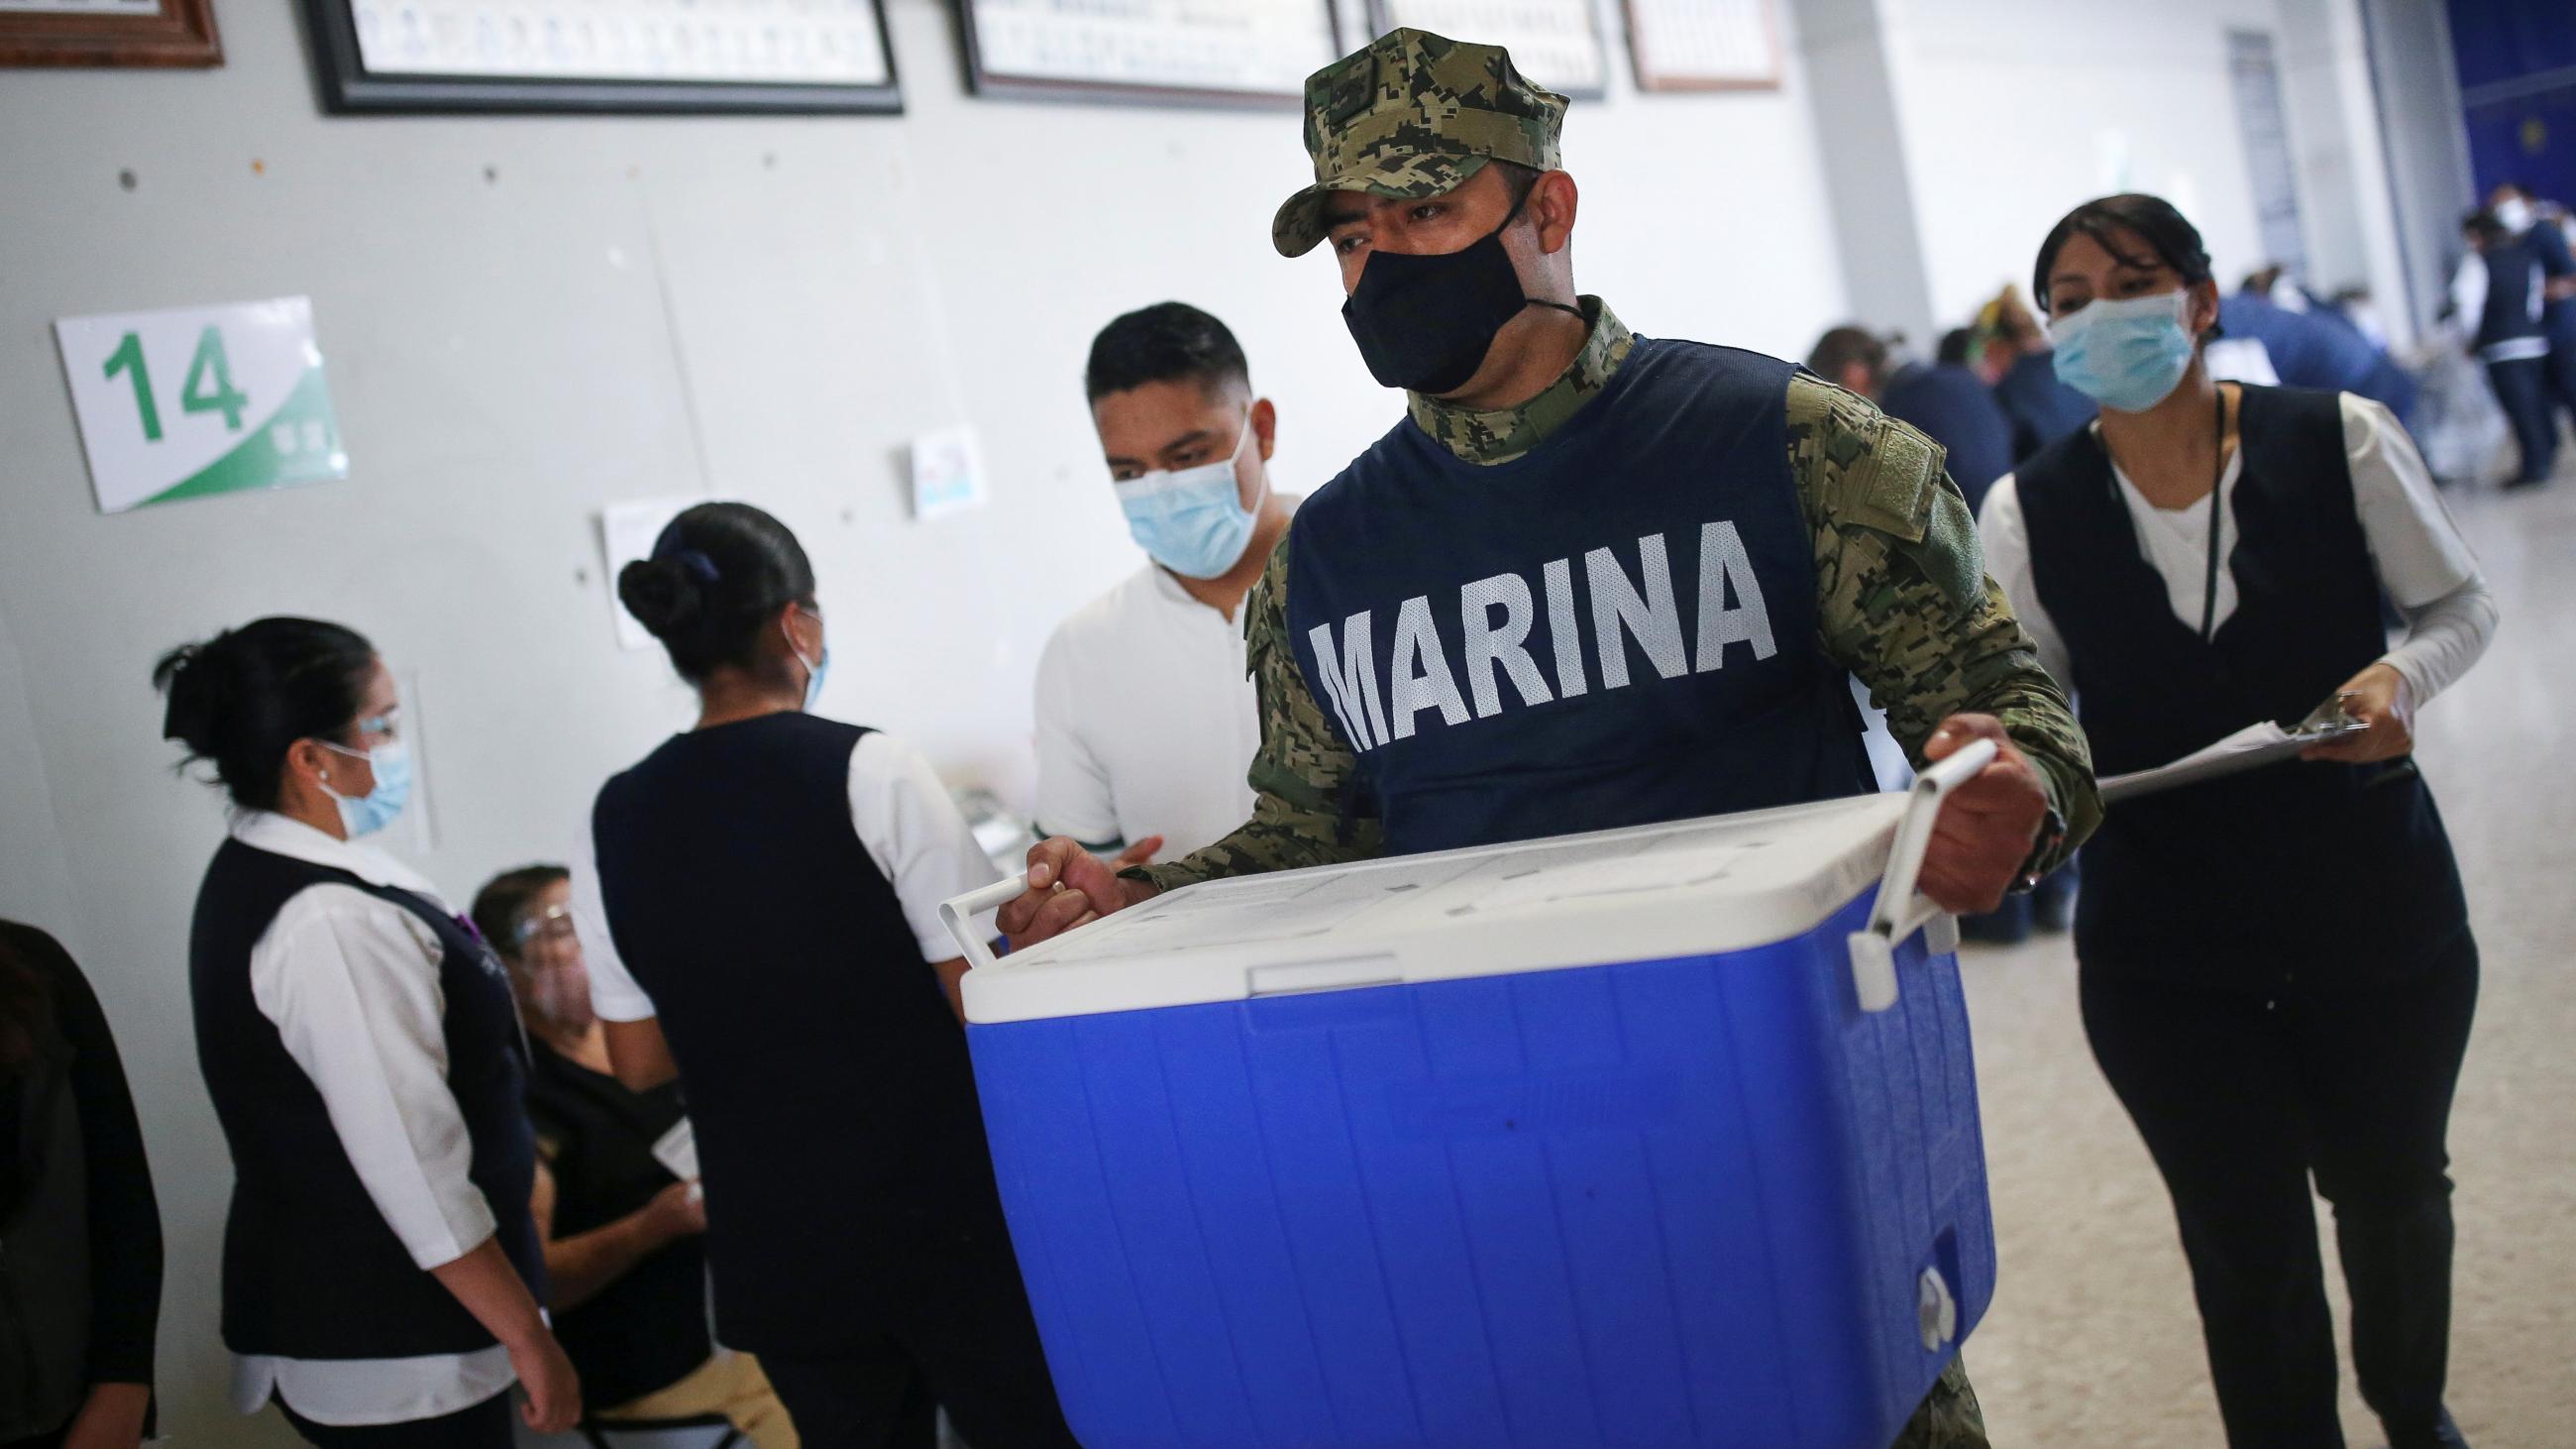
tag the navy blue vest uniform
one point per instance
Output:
(827, 1080)
(2513, 271)
(311, 1270)
(2240, 881)
(2042, 408)
(1616, 628)
(1954, 407)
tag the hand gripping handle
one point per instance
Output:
(1900, 910)
(959, 917)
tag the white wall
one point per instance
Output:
(2013, 111)
(2344, 199)
(634, 307)
(1843, 46)
(2427, 144)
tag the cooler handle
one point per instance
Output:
(959, 917)
(1900, 911)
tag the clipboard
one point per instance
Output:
(2251, 748)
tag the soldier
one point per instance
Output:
(1477, 632)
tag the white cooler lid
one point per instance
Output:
(1689, 888)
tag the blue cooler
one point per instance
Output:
(1624, 1139)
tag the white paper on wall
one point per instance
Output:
(627, 531)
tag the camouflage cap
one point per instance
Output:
(1414, 114)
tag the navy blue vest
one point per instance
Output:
(2251, 880)
(310, 1268)
(2513, 272)
(827, 1081)
(1616, 628)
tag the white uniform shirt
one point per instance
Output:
(905, 819)
(351, 980)
(2423, 562)
(1146, 720)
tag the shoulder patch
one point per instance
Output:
(1892, 485)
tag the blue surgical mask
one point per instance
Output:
(1192, 520)
(814, 681)
(366, 814)
(2128, 355)
(819, 666)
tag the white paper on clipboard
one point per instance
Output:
(2250, 748)
(677, 1150)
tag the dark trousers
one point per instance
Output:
(2560, 320)
(2522, 390)
(2241, 1099)
(961, 1339)
(484, 1426)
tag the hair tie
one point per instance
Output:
(695, 561)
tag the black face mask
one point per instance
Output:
(1425, 323)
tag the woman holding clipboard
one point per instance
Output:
(2277, 970)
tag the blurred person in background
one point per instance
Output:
(2542, 227)
(622, 1227)
(2261, 342)
(382, 1276)
(2017, 358)
(1945, 398)
(2498, 298)
(80, 1233)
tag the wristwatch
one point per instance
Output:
(2044, 845)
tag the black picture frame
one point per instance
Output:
(984, 81)
(349, 88)
(1382, 18)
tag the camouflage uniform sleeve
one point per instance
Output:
(1903, 599)
(1300, 776)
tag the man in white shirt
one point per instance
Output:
(1146, 721)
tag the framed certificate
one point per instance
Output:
(108, 32)
(1556, 43)
(1173, 50)
(1705, 45)
(604, 55)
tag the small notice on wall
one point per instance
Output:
(628, 532)
(947, 473)
(200, 400)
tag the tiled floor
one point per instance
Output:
(2093, 1339)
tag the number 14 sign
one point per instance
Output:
(200, 400)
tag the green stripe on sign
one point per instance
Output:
(299, 443)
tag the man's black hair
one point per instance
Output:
(1517, 180)
(1167, 342)
(1955, 346)
(1844, 347)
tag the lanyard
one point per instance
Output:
(2209, 594)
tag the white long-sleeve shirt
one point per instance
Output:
(351, 981)
(2424, 564)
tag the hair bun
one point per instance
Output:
(661, 593)
(197, 681)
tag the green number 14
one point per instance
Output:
(193, 394)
